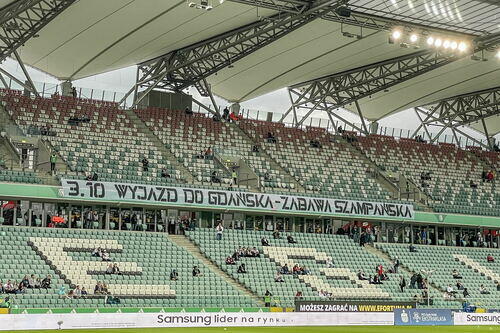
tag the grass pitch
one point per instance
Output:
(336, 329)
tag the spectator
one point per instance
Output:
(104, 288)
(230, 261)
(188, 111)
(456, 274)
(234, 176)
(242, 269)
(329, 263)
(98, 288)
(225, 113)
(472, 184)
(218, 231)
(483, 290)
(264, 241)
(105, 256)
(270, 138)
(459, 286)
(96, 252)
(255, 149)
(490, 258)
(490, 176)
(53, 161)
(2, 290)
(298, 295)
(77, 292)
(109, 270)
(290, 239)
(165, 174)
(484, 175)
(413, 280)
(61, 292)
(208, 153)
(145, 164)
(267, 298)
(412, 248)
(466, 293)
(278, 277)
(214, 178)
(116, 270)
(174, 276)
(402, 283)
(284, 269)
(397, 263)
(498, 286)
(450, 291)
(254, 252)
(196, 271)
(84, 292)
(276, 235)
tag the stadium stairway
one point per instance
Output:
(275, 165)
(188, 245)
(141, 126)
(385, 182)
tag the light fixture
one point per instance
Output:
(498, 54)
(414, 38)
(430, 41)
(453, 45)
(446, 44)
(462, 46)
(438, 42)
(396, 34)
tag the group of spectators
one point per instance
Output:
(488, 176)
(113, 269)
(295, 270)
(242, 252)
(28, 282)
(77, 292)
(45, 130)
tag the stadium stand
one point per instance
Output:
(440, 261)
(189, 136)
(19, 176)
(145, 261)
(330, 170)
(311, 251)
(91, 137)
(451, 170)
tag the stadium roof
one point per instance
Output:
(95, 36)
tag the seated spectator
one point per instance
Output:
(2, 290)
(116, 270)
(164, 173)
(254, 252)
(472, 184)
(174, 276)
(196, 271)
(242, 269)
(98, 288)
(498, 286)
(315, 144)
(208, 153)
(278, 278)
(21, 289)
(145, 164)
(9, 287)
(264, 241)
(230, 261)
(466, 293)
(109, 270)
(296, 269)
(96, 252)
(84, 292)
(483, 290)
(188, 111)
(267, 177)
(70, 294)
(104, 289)
(412, 248)
(214, 178)
(25, 281)
(304, 271)
(460, 286)
(298, 295)
(329, 263)
(490, 176)
(105, 256)
(290, 239)
(225, 113)
(361, 275)
(77, 292)
(450, 291)
(255, 149)
(490, 258)
(284, 269)
(276, 234)
(112, 300)
(376, 279)
(270, 138)
(456, 274)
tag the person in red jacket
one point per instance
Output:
(490, 258)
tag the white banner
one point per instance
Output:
(90, 190)
(221, 319)
(462, 318)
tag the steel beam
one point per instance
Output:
(186, 67)
(344, 88)
(286, 6)
(23, 19)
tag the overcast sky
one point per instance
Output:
(122, 80)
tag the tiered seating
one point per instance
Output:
(19, 176)
(441, 261)
(331, 170)
(108, 144)
(145, 259)
(312, 251)
(189, 135)
(451, 171)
